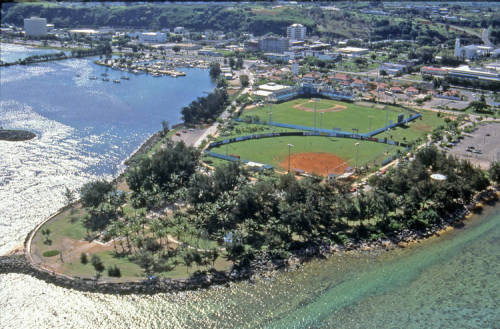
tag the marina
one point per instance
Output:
(155, 69)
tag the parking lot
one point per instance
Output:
(188, 136)
(451, 104)
(482, 147)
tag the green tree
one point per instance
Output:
(244, 80)
(94, 193)
(215, 70)
(98, 265)
(494, 172)
(83, 258)
(69, 195)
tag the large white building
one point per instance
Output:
(179, 30)
(296, 32)
(471, 51)
(467, 72)
(157, 37)
(35, 27)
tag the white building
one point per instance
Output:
(467, 72)
(295, 67)
(296, 32)
(471, 51)
(179, 30)
(352, 51)
(35, 27)
(155, 37)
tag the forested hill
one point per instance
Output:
(198, 17)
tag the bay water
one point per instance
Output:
(86, 128)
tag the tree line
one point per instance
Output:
(273, 216)
(206, 109)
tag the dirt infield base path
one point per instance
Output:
(334, 108)
(317, 163)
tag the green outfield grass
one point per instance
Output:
(416, 129)
(275, 150)
(364, 118)
(243, 129)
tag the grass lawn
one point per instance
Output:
(243, 129)
(181, 271)
(128, 269)
(361, 117)
(416, 129)
(67, 224)
(275, 150)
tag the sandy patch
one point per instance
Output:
(303, 107)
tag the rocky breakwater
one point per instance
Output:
(19, 264)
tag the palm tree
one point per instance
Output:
(113, 233)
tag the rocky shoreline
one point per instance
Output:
(18, 263)
(16, 135)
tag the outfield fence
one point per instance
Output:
(236, 159)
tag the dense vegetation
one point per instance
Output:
(205, 109)
(274, 216)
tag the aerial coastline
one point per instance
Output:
(247, 165)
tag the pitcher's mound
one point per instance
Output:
(317, 163)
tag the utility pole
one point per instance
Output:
(320, 119)
(357, 153)
(289, 147)
(314, 114)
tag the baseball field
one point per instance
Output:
(313, 154)
(328, 114)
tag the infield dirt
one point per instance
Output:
(317, 163)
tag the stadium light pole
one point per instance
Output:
(357, 153)
(289, 147)
(315, 114)
(386, 116)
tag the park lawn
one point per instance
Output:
(355, 116)
(181, 271)
(128, 269)
(274, 150)
(243, 129)
(213, 162)
(416, 129)
(66, 224)
(198, 243)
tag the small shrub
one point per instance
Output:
(51, 253)
(83, 258)
(114, 271)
